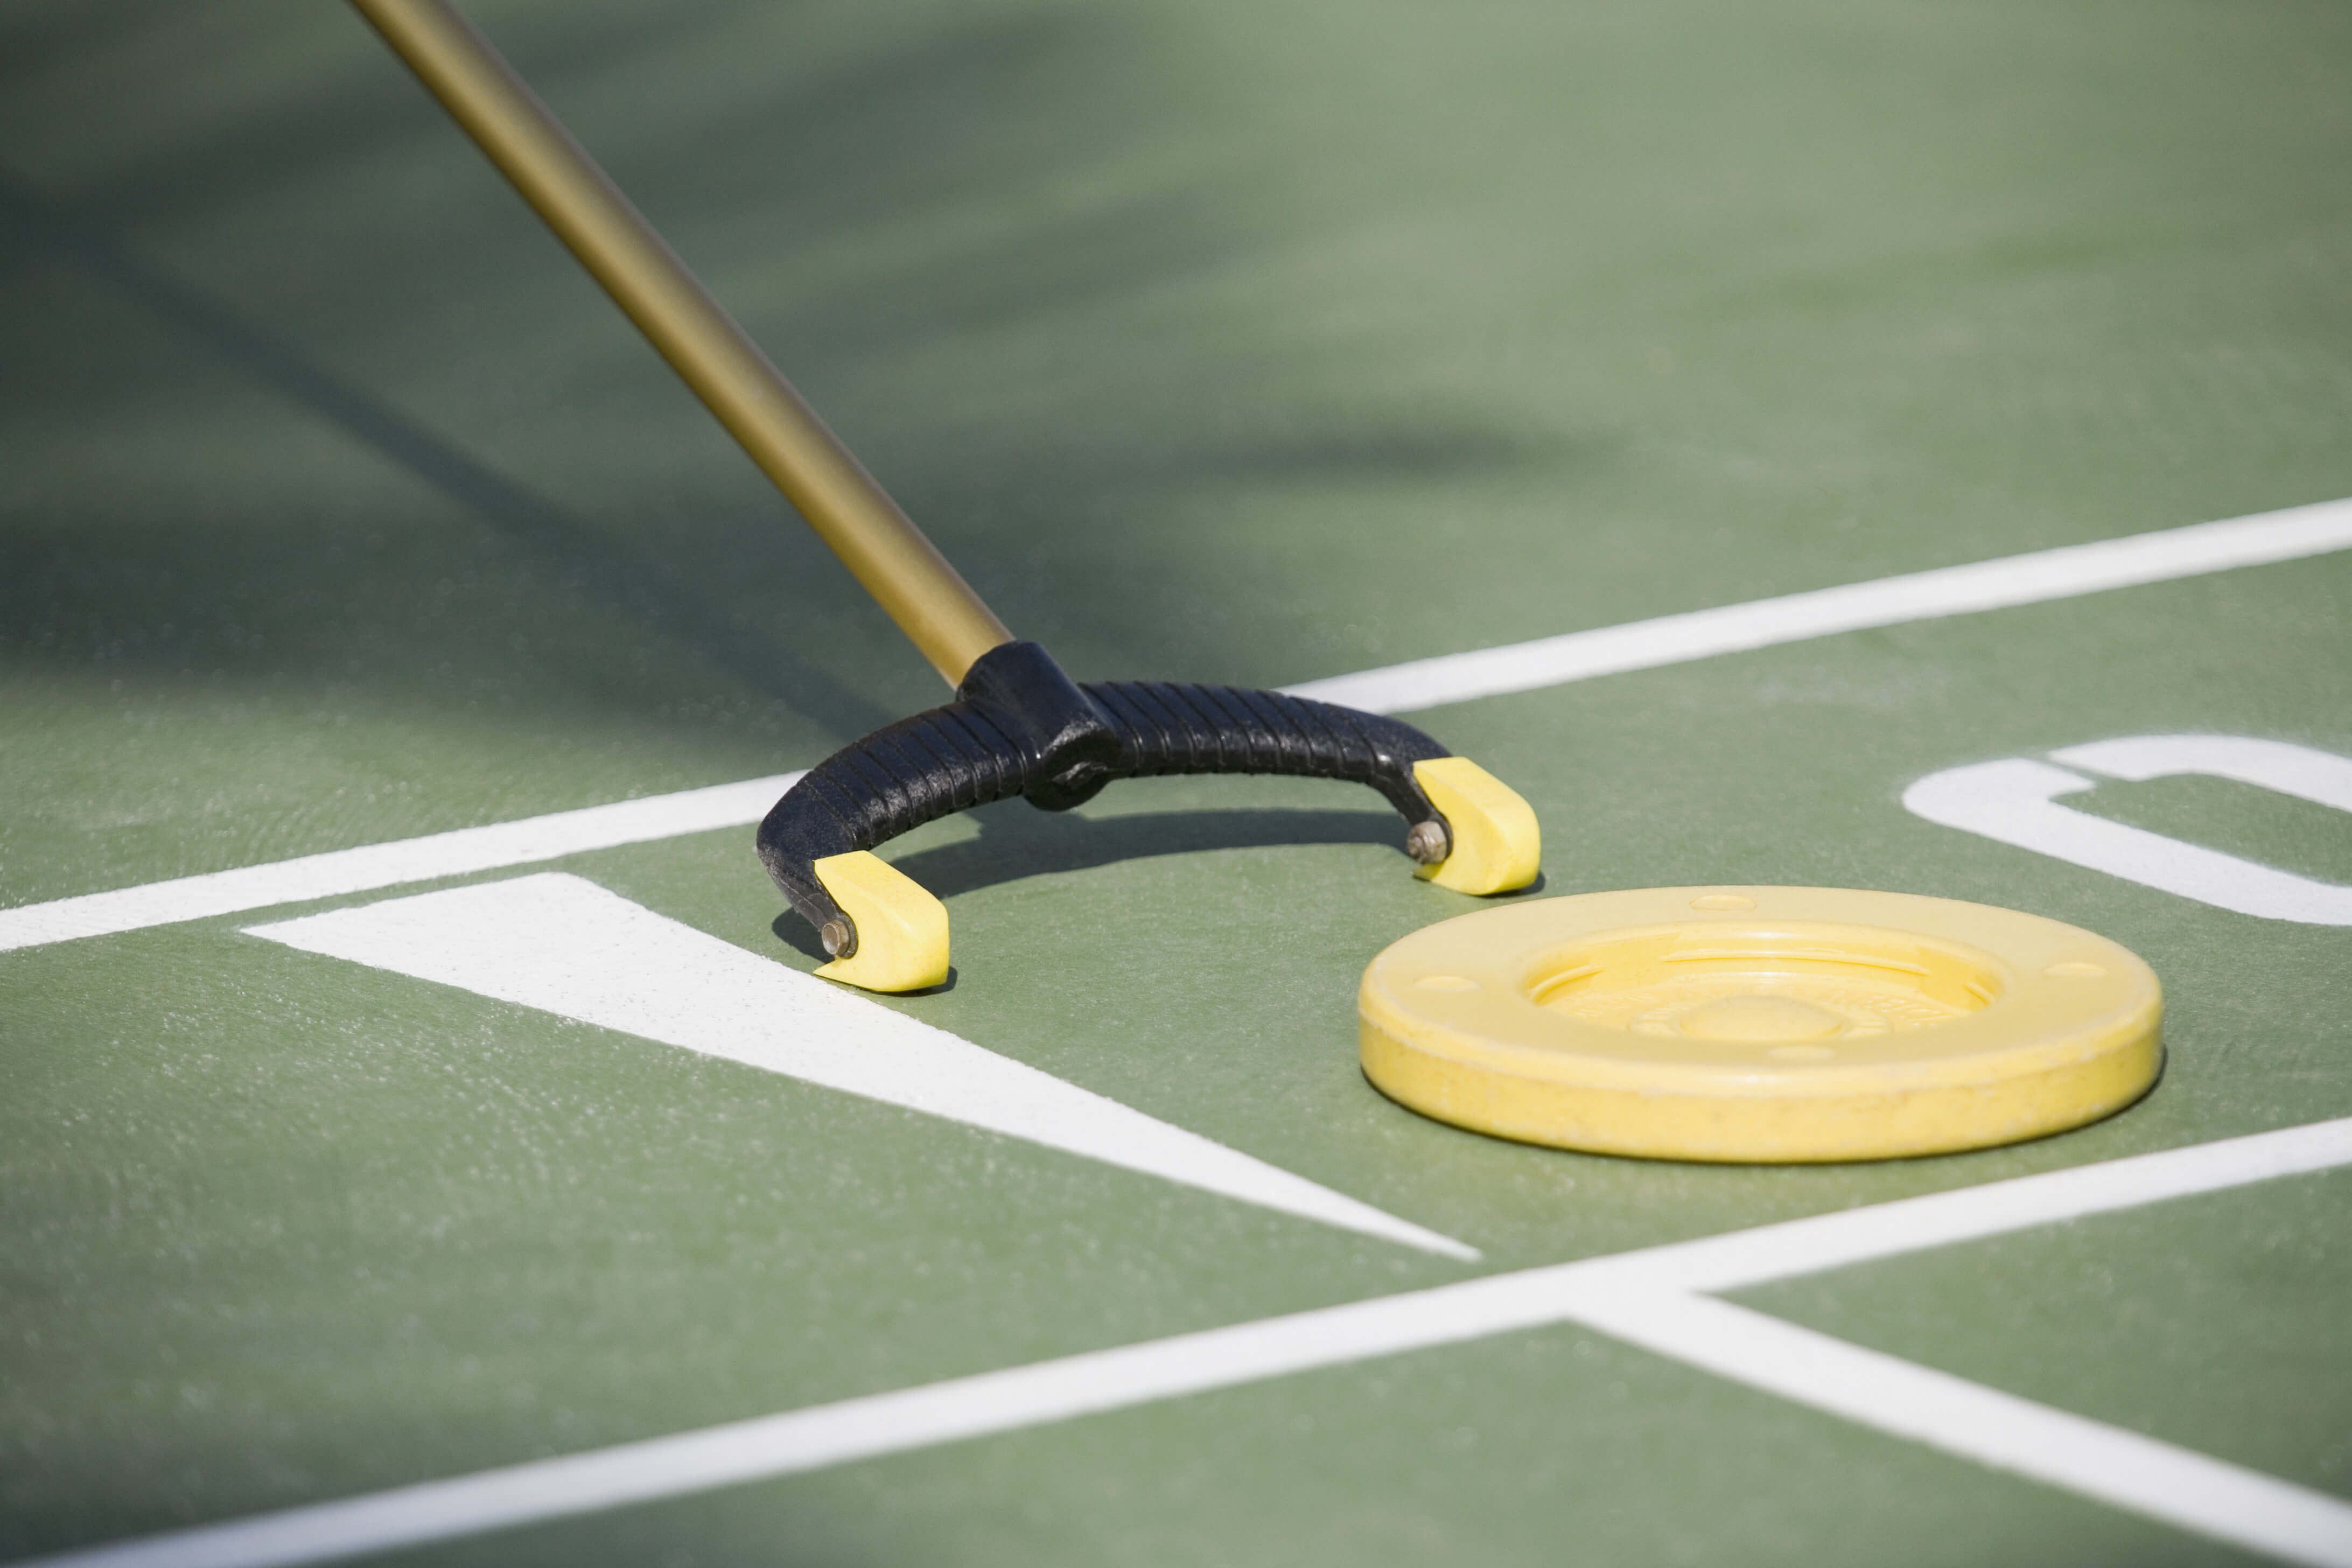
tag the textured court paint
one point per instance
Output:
(1642, 1297)
(2063, 573)
(566, 946)
(340, 872)
(2014, 801)
(1578, 656)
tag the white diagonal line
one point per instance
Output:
(2192, 1490)
(1619, 1294)
(337, 872)
(1744, 1258)
(2038, 577)
(853, 1430)
(2002, 584)
(566, 946)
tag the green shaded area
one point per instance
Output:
(1212, 342)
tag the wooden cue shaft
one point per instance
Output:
(902, 570)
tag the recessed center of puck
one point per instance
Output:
(1759, 1019)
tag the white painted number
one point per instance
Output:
(2015, 800)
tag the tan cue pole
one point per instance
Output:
(905, 572)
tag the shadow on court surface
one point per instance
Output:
(1016, 841)
(829, 194)
(581, 559)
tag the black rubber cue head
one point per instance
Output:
(1019, 726)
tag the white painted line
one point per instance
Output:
(2002, 584)
(2014, 801)
(342, 871)
(2193, 1491)
(567, 946)
(1966, 1214)
(2306, 772)
(2010, 581)
(1615, 1294)
(827, 1435)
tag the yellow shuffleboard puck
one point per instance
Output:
(1760, 1024)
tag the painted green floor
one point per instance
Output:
(1213, 341)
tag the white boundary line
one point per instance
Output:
(2004, 582)
(2192, 1490)
(2008, 581)
(1647, 1297)
(1743, 1257)
(373, 865)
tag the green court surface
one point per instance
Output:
(1214, 342)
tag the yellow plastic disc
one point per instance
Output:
(1760, 1024)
